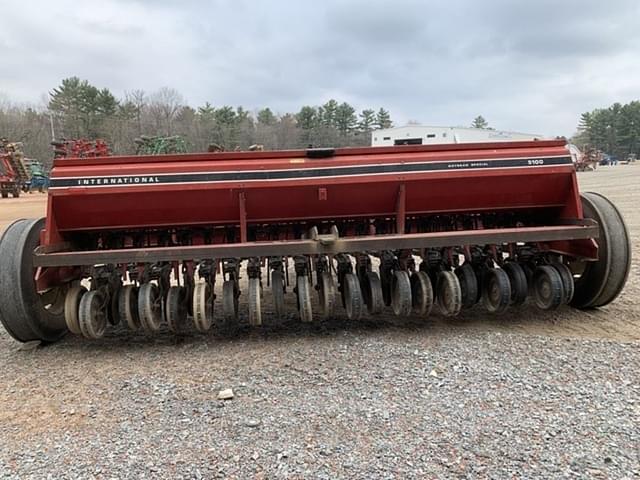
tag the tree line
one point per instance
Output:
(78, 109)
(614, 130)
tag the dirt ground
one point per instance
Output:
(618, 321)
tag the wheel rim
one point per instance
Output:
(548, 289)
(150, 307)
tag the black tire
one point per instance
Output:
(150, 307)
(496, 291)
(327, 295)
(229, 301)
(548, 291)
(352, 296)
(176, 308)
(567, 281)
(421, 293)
(5, 194)
(401, 293)
(468, 285)
(255, 305)
(449, 294)
(518, 282)
(72, 308)
(600, 282)
(277, 289)
(23, 312)
(92, 315)
(128, 307)
(371, 288)
(303, 292)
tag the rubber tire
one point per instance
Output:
(469, 285)
(202, 303)
(176, 309)
(327, 295)
(128, 307)
(555, 296)
(255, 305)
(72, 308)
(22, 312)
(229, 301)
(150, 308)
(277, 290)
(567, 281)
(371, 288)
(518, 282)
(352, 297)
(401, 293)
(303, 292)
(496, 291)
(603, 280)
(92, 320)
(449, 294)
(421, 293)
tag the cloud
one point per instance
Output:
(529, 66)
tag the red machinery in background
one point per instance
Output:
(80, 148)
(400, 227)
(13, 174)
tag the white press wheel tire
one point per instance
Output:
(72, 308)
(202, 306)
(255, 306)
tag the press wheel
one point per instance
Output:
(128, 306)
(468, 285)
(92, 315)
(303, 294)
(567, 281)
(150, 308)
(401, 293)
(202, 306)
(496, 294)
(327, 295)
(371, 288)
(548, 291)
(518, 282)
(421, 293)
(352, 299)
(449, 294)
(277, 290)
(229, 301)
(255, 306)
(176, 308)
(72, 308)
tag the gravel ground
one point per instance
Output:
(522, 395)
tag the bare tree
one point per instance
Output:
(164, 106)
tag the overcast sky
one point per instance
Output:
(530, 66)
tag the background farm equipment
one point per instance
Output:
(142, 241)
(80, 148)
(14, 176)
(589, 159)
(156, 145)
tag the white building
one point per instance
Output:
(424, 135)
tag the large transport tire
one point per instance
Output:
(599, 283)
(24, 313)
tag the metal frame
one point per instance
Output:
(56, 256)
